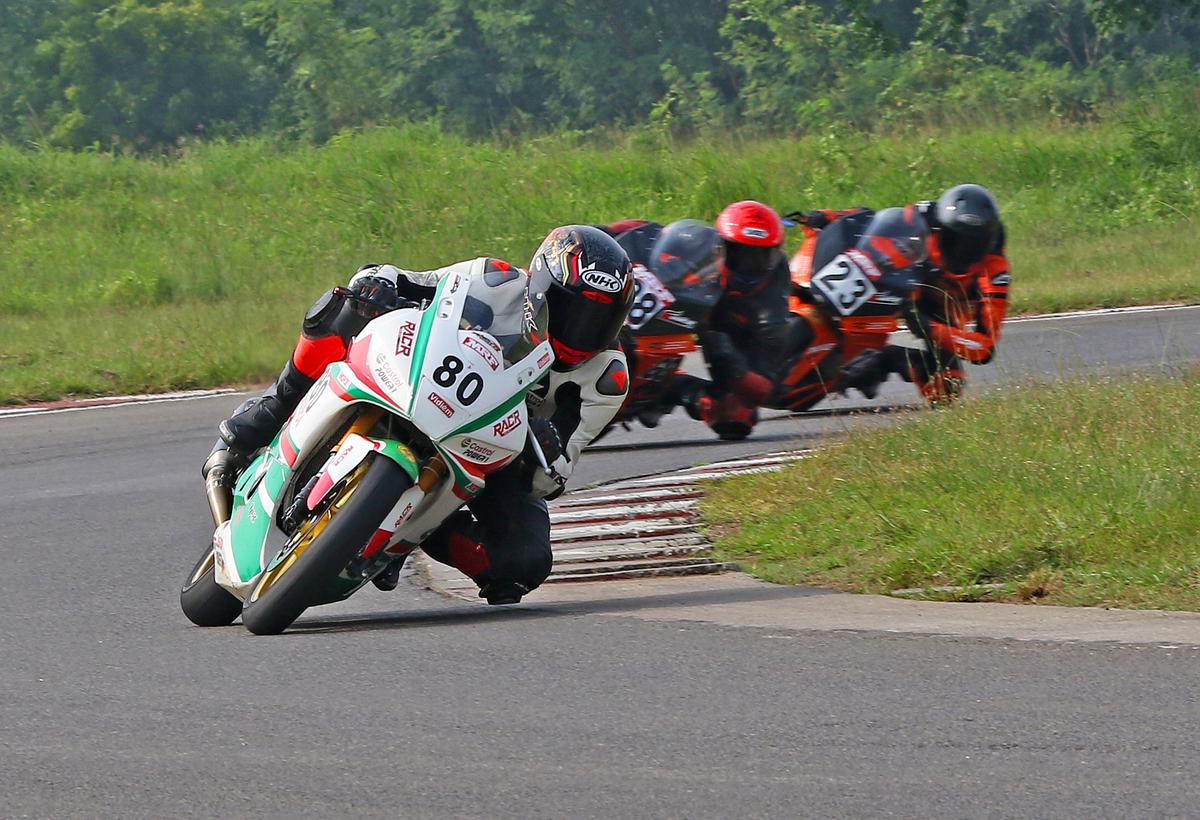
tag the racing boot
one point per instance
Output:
(864, 373)
(256, 422)
(691, 393)
(670, 399)
(730, 418)
(943, 387)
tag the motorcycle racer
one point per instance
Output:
(746, 331)
(503, 544)
(958, 312)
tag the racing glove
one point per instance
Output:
(546, 435)
(374, 295)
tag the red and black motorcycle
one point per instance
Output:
(678, 280)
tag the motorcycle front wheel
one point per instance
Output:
(203, 601)
(323, 545)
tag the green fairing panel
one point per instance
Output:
(251, 521)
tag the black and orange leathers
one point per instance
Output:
(939, 314)
(958, 314)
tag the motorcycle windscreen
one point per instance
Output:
(510, 310)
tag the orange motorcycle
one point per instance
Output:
(850, 281)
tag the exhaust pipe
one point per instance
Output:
(218, 486)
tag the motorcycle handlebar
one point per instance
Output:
(401, 301)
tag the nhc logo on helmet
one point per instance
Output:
(601, 280)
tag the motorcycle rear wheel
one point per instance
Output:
(324, 545)
(203, 601)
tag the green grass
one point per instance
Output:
(122, 274)
(1078, 494)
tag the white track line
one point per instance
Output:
(116, 401)
(1087, 314)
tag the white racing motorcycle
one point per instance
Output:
(383, 448)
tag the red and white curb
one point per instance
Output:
(634, 528)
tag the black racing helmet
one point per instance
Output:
(969, 218)
(686, 253)
(590, 293)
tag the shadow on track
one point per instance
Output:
(798, 436)
(471, 613)
(857, 410)
(690, 442)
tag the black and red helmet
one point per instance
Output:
(752, 242)
(895, 239)
(590, 291)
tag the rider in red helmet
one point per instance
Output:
(746, 333)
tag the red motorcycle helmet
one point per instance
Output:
(752, 243)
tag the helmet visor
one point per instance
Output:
(749, 264)
(587, 321)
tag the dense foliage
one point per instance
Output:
(145, 74)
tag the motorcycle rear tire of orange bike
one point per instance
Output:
(344, 538)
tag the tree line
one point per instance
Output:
(147, 75)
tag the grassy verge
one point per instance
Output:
(1083, 494)
(120, 274)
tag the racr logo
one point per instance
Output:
(507, 424)
(404, 344)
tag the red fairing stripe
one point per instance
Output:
(323, 485)
(376, 543)
(358, 363)
(289, 450)
(312, 356)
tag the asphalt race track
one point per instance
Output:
(409, 704)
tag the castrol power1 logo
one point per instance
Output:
(507, 424)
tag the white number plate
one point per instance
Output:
(649, 297)
(844, 284)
